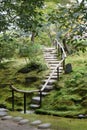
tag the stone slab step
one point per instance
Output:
(44, 93)
(36, 100)
(53, 77)
(48, 51)
(24, 121)
(6, 118)
(35, 123)
(44, 126)
(3, 113)
(60, 71)
(3, 110)
(53, 67)
(17, 119)
(51, 81)
(34, 106)
(49, 48)
(53, 62)
(50, 57)
(48, 88)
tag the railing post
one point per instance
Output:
(58, 73)
(12, 100)
(64, 65)
(58, 50)
(24, 103)
(61, 53)
(40, 98)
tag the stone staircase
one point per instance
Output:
(50, 55)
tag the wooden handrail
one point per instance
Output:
(23, 91)
(63, 58)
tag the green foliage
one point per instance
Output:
(70, 22)
(24, 14)
(29, 50)
(7, 49)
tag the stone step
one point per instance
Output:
(3, 110)
(53, 67)
(44, 93)
(49, 48)
(6, 118)
(44, 126)
(53, 52)
(48, 88)
(3, 113)
(17, 119)
(53, 62)
(50, 57)
(51, 81)
(23, 121)
(53, 77)
(36, 99)
(60, 71)
(35, 123)
(49, 51)
(34, 106)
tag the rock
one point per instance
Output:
(17, 119)
(34, 106)
(2, 113)
(68, 68)
(24, 121)
(44, 126)
(30, 79)
(3, 110)
(81, 116)
(6, 118)
(37, 122)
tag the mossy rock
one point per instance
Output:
(29, 68)
(31, 79)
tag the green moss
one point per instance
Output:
(71, 91)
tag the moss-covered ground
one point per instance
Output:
(69, 97)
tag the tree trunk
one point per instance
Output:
(33, 36)
(66, 48)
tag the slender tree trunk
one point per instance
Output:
(33, 36)
(66, 47)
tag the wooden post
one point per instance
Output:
(58, 50)
(58, 73)
(61, 53)
(40, 98)
(12, 100)
(64, 65)
(24, 103)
